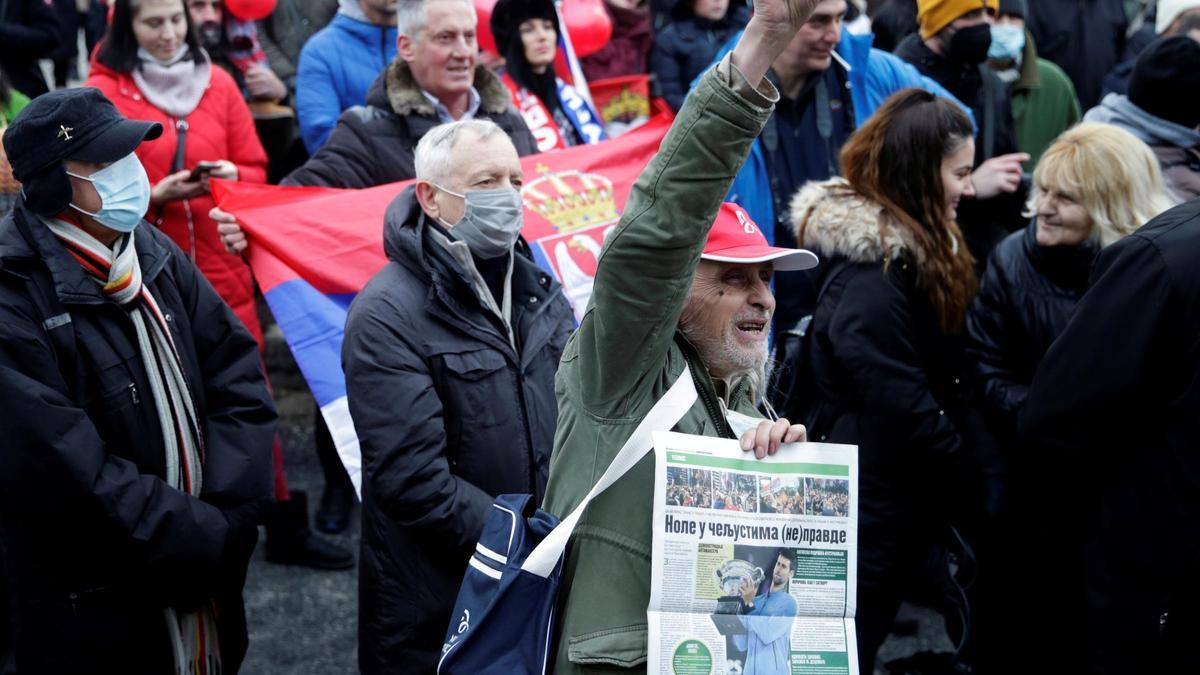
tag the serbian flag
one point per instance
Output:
(313, 249)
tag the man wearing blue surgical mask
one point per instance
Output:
(450, 353)
(135, 442)
(1044, 103)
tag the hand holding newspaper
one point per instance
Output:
(754, 568)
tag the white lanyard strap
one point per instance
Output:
(662, 417)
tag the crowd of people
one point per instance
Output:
(961, 235)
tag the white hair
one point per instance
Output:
(434, 150)
(412, 15)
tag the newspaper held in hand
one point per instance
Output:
(754, 568)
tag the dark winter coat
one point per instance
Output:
(888, 379)
(448, 416)
(1112, 419)
(686, 47)
(1025, 300)
(28, 31)
(1086, 38)
(374, 144)
(894, 21)
(284, 33)
(96, 544)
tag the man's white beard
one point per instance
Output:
(721, 354)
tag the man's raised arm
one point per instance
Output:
(647, 263)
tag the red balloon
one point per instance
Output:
(483, 30)
(250, 10)
(587, 22)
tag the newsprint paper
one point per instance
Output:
(754, 560)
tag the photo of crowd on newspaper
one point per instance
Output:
(689, 487)
(734, 491)
(783, 495)
(827, 497)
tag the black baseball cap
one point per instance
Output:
(77, 124)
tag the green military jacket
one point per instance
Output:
(626, 354)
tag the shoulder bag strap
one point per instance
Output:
(665, 414)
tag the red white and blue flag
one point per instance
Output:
(313, 249)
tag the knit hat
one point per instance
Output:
(934, 15)
(1166, 68)
(1169, 10)
(1014, 8)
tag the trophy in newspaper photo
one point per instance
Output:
(730, 578)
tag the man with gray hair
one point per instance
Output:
(433, 79)
(450, 353)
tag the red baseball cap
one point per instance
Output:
(734, 238)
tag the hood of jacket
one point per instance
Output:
(402, 228)
(842, 223)
(397, 90)
(352, 9)
(362, 30)
(1117, 109)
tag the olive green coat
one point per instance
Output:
(623, 358)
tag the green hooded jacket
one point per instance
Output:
(626, 354)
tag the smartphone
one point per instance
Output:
(202, 170)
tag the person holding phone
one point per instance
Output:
(151, 67)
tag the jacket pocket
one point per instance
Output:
(474, 365)
(623, 647)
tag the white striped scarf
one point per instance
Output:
(116, 269)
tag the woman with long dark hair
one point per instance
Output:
(526, 33)
(886, 336)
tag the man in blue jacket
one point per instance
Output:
(830, 82)
(339, 63)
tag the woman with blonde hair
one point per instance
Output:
(1095, 184)
(885, 340)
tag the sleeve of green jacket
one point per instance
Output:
(647, 264)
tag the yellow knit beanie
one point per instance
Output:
(934, 15)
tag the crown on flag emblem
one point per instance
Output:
(628, 103)
(571, 200)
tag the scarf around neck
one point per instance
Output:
(117, 271)
(174, 86)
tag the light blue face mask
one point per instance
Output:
(492, 221)
(1008, 43)
(124, 193)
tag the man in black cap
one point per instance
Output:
(137, 426)
(1163, 111)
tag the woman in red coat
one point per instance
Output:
(151, 67)
(157, 71)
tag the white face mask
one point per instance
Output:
(124, 193)
(492, 221)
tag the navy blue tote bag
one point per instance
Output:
(503, 620)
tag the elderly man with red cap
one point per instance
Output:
(684, 281)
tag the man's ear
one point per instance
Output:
(406, 48)
(425, 197)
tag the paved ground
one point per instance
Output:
(304, 622)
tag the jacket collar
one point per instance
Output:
(25, 240)
(364, 31)
(842, 223)
(397, 90)
(1029, 79)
